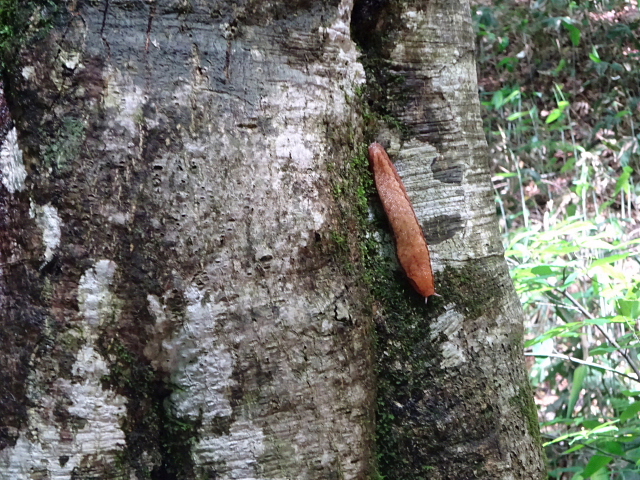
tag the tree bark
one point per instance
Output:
(454, 400)
(183, 284)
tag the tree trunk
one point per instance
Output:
(454, 400)
(187, 258)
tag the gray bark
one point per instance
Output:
(175, 301)
(454, 398)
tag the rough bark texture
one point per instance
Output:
(171, 305)
(176, 286)
(454, 399)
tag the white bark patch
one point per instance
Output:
(202, 364)
(238, 451)
(339, 33)
(290, 145)
(70, 60)
(28, 72)
(49, 222)
(202, 367)
(12, 169)
(114, 215)
(91, 434)
(94, 298)
(127, 98)
(102, 409)
(157, 350)
(295, 147)
(450, 324)
(52, 450)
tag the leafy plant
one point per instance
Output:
(587, 363)
(559, 86)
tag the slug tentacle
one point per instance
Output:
(411, 246)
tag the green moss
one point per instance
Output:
(352, 188)
(65, 148)
(21, 22)
(341, 241)
(71, 340)
(523, 400)
(364, 247)
(9, 23)
(460, 286)
(159, 441)
(385, 92)
(404, 350)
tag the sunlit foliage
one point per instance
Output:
(560, 86)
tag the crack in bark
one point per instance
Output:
(152, 12)
(104, 22)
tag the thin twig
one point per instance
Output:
(582, 362)
(610, 339)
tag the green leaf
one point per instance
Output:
(597, 462)
(614, 448)
(574, 33)
(575, 448)
(610, 271)
(517, 115)
(601, 474)
(629, 308)
(566, 330)
(573, 227)
(625, 245)
(576, 387)
(623, 180)
(553, 116)
(605, 427)
(591, 424)
(561, 249)
(560, 67)
(630, 412)
(509, 63)
(608, 260)
(591, 242)
(542, 270)
(602, 350)
(568, 165)
(497, 100)
(595, 58)
(605, 320)
(513, 95)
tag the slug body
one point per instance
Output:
(411, 245)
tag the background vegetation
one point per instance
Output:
(560, 86)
